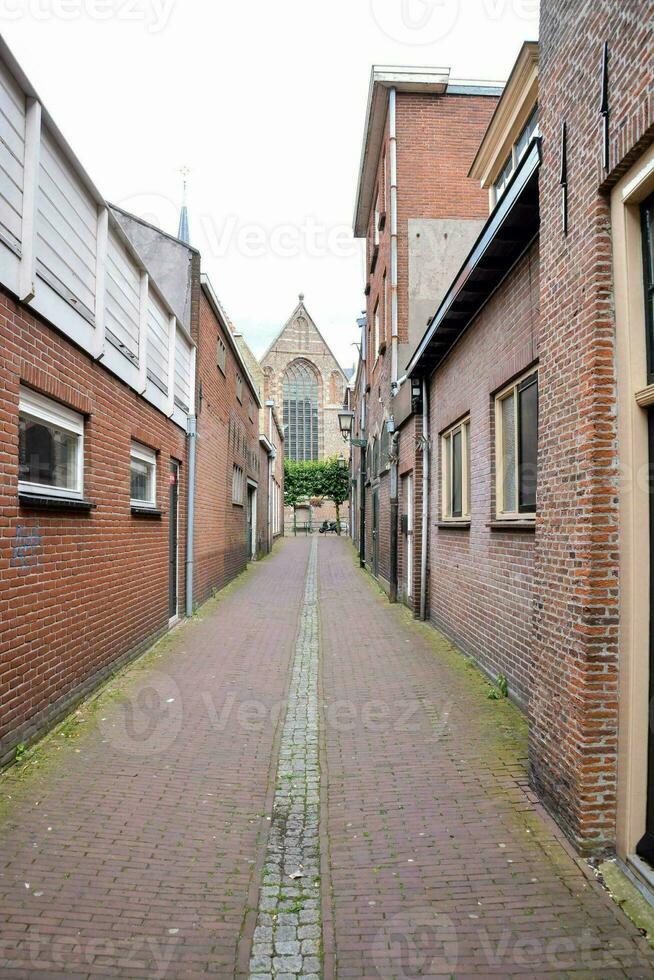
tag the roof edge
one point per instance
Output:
(217, 307)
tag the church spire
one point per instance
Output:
(182, 231)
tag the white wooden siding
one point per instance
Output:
(157, 343)
(182, 372)
(122, 298)
(66, 227)
(12, 157)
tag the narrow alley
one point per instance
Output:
(299, 780)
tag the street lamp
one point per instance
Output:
(345, 420)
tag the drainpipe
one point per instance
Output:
(362, 512)
(392, 595)
(392, 131)
(425, 500)
(190, 512)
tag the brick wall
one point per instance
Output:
(482, 578)
(92, 588)
(437, 138)
(228, 433)
(574, 697)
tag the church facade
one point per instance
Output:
(307, 385)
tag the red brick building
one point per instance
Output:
(419, 212)
(538, 372)
(120, 375)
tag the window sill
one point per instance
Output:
(453, 525)
(527, 527)
(35, 501)
(237, 503)
(138, 511)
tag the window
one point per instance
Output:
(386, 334)
(518, 150)
(516, 440)
(648, 263)
(143, 476)
(238, 485)
(250, 410)
(300, 400)
(50, 447)
(221, 355)
(239, 387)
(376, 219)
(455, 452)
(376, 328)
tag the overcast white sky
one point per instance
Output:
(264, 101)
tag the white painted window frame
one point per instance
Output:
(447, 472)
(143, 454)
(48, 410)
(500, 513)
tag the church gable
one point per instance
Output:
(300, 337)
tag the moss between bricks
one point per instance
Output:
(45, 755)
(633, 904)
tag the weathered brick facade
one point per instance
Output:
(81, 591)
(228, 435)
(574, 706)
(482, 577)
(437, 135)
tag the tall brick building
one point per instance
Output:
(120, 377)
(419, 212)
(534, 386)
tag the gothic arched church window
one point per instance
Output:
(300, 396)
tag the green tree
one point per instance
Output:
(333, 483)
(327, 478)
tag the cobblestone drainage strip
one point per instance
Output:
(287, 937)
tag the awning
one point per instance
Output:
(510, 229)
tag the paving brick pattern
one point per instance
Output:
(287, 935)
(149, 841)
(136, 848)
(440, 862)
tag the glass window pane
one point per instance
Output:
(509, 502)
(466, 502)
(457, 475)
(47, 454)
(528, 445)
(142, 481)
(447, 489)
(300, 400)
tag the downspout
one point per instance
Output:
(190, 512)
(392, 139)
(271, 466)
(425, 500)
(392, 592)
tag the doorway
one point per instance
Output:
(408, 489)
(252, 521)
(173, 540)
(375, 532)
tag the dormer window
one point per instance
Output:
(518, 150)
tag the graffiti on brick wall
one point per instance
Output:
(26, 547)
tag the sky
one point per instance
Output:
(264, 102)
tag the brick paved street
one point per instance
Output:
(150, 837)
